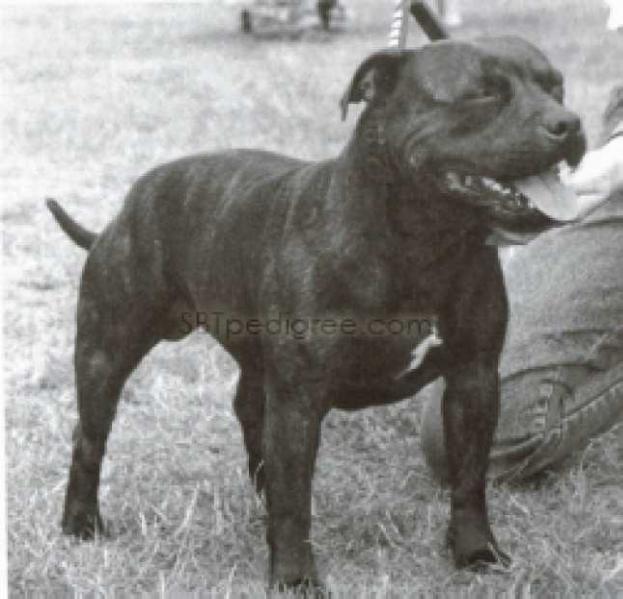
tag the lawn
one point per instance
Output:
(92, 97)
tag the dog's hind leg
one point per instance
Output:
(116, 326)
(249, 407)
(105, 357)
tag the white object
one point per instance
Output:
(400, 24)
(421, 351)
(451, 14)
(615, 20)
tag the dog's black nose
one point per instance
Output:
(562, 125)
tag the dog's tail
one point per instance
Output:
(76, 232)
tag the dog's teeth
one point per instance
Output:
(494, 185)
(454, 181)
(469, 180)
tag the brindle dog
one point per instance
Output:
(395, 227)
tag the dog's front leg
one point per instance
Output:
(470, 413)
(290, 442)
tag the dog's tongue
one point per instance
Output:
(550, 196)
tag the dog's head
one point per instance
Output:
(482, 122)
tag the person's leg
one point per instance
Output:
(546, 415)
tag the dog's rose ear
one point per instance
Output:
(375, 75)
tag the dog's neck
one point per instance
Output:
(376, 200)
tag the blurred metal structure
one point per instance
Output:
(615, 16)
(400, 25)
(291, 17)
(424, 15)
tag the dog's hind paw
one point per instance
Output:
(84, 525)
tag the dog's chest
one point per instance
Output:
(385, 347)
(402, 312)
(383, 343)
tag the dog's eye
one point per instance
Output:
(557, 92)
(490, 90)
(551, 83)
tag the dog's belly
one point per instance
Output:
(368, 375)
(356, 395)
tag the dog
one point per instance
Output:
(398, 226)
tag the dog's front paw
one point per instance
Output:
(82, 523)
(308, 588)
(294, 572)
(473, 547)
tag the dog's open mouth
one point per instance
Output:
(489, 192)
(518, 208)
(543, 192)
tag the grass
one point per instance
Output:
(96, 95)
